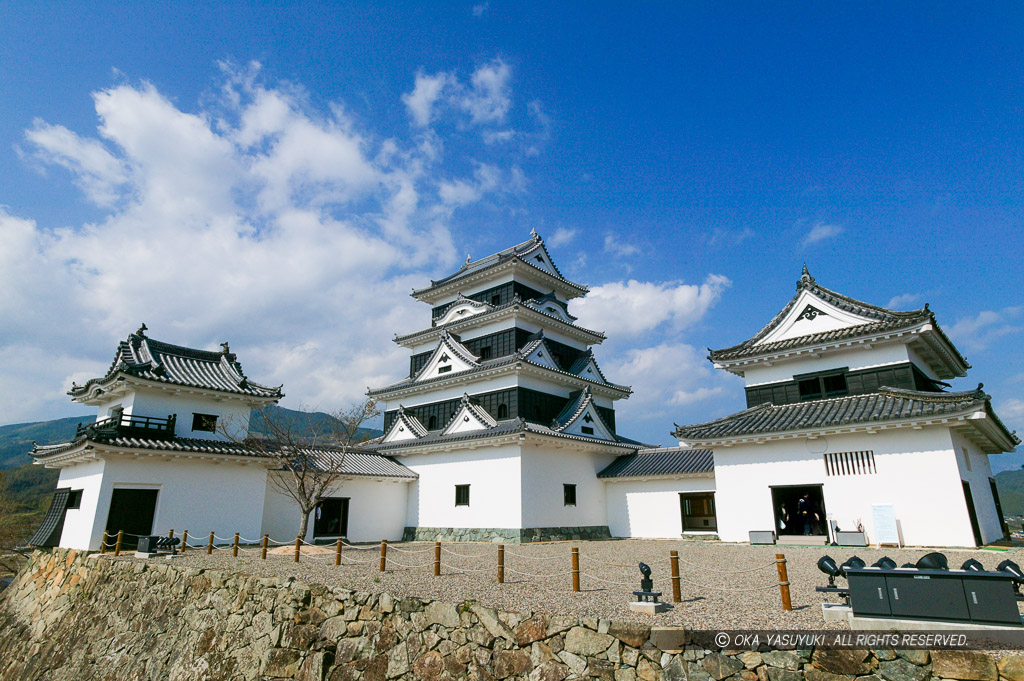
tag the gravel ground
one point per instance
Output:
(723, 585)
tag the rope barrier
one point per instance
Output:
(607, 581)
(465, 569)
(523, 555)
(467, 555)
(392, 561)
(528, 574)
(392, 547)
(721, 572)
(601, 562)
(360, 548)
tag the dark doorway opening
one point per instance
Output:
(330, 518)
(972, 513)
(799, 510)
(698, 511)
(131, 511)
(999, 508)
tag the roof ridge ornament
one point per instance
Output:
(805, 278)
(142, 330)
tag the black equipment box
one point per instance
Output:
(148, 544)
(949, 595)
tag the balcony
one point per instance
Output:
(129, 425)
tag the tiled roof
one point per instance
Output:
(883, 320)
(518, 252)
(886, 405)
(142, 357)
(664, 461)
(504, 427)
(356, 461)
(484, 366)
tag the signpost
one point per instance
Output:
(886, 529)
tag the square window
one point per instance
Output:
(569, 495)
(496, 300)
(204, 422)
(462, 495)
(810, 389)
(444, 370)
(835, 386)
(587, 430)
(74, 499)
(485, 352)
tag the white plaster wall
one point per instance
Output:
(493, 474)
(784, 370)
(231, 413)
(376, 510)
(650, 508)
(545, 469)
(198, 496)
(126, 402)
(80, 525)
(981, 491)
(917, 473)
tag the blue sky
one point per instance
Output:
(281, 175)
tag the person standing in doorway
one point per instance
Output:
(807, 512)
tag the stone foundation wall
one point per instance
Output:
(70, 616)
(505, 535)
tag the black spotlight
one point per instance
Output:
(908, 565)
(1014, 569)
(828, 565)
(933, 561)
(972, 565)
(852, 562)
(885, 563)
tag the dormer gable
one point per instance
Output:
(550, 304)
(405, 427)
(449, 357)
(586, 367)
(462, 308)
(810, 314)
(580, 417)
(537, 351)
(469, 417)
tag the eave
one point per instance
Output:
(923, 337)
(509, 310)
(93, 451)
(433, 294)
(668, 476)
(121, 384)
(973, 424)
(389, 394)
(525, 437)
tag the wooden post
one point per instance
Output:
(337, 552)
(184, 541)
(673, 559)
(780, 562)
(209, 545)
(234, 546)
(383, 555)
(103, 546)
(117, 546)
(298, 547)
(437, 559)
(501, 563)
(170, 534)
(575, 569)
(263, 548)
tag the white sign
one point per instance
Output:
(886, 530)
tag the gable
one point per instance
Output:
(589, 424)
(462, 310)
(540, 259)
(809, 315)
(405, 427)
(468, 418)
(450, 357)
(540, 354)
(591, 372)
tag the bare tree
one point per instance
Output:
(304, 449)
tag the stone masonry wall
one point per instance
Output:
(75, 616)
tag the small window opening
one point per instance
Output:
(502, 411)
(74, 499)
(496, 300)
(587, 430)
(569, 495)
(462, 495)
(485, 352)
(204, 422)
(445, 369)
(432, 423)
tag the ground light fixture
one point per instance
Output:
(932, 561)
(828, 565)
(853, 562)
(884, 563)
(971, 565)
(1014, 569)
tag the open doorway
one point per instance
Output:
(131, 510)
(799, 510)
(698, 511)
(972, 513)
(331, 518)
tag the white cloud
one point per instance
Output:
(904, 300)
(616, 246)
(1011, 411)
(478, 10)
(489, 97)
(420, 102)
(821, 232)
(981, 330)
(632, 307)
(561, 237)
(721, 236)
(258, 218)
(97, 172)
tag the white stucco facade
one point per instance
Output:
(650, 508)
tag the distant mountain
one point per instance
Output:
(16, 439)
(1011, 491)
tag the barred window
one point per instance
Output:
(850, 463)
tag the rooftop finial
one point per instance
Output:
(142, 330)
(805, 277)
(225, 349)
(533, 231)
(467, 259)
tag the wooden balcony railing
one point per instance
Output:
(130, 425)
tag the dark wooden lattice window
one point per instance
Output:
(462, 495)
